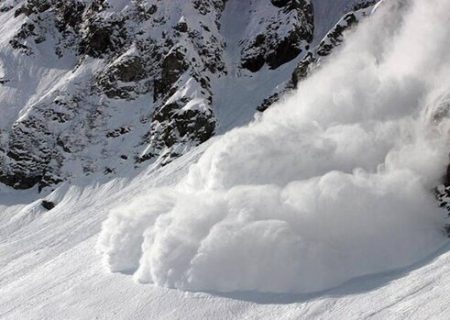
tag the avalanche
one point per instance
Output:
(333, 183)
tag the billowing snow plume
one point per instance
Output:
(333, 183)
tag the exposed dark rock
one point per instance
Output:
(171, 124)
(19, 180)
(18, 42)
(108, 171)
(35, 148)
(181, 26)
(5, 8)
(311, 60)
(267, 102)
(275, 47)
(49, 205)
(442, 194)
(303, 68)
(335, 37)
(69, 14)
(139, 51)
(280, 3)
(254, 64)
(127, 69)
(101, 34)
(173, 66)
(286, 50)
(364, 4)
(205, 7)
(33, 7)
(98, 39)
(118, 132)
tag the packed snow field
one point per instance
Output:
(49, 270)
(322, 208)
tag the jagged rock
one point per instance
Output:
(26, 30)
(172, 124)
(205, 7)
(280, 3)
(5, 8)
(33, 7)
(442, 194)
(173, 66)
(49, 205)
(139, 80)
(311, 59)
(118, 132)
(286, 50)
(267, 102)
(29, 156)
(129, 69)
(303, 68)
(363, 4)
(334, 38)
(69, 14)
(99, 37)
(181, 26)
(278, 45)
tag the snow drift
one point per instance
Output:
(333, 183)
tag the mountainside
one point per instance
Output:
(101, 87)
(206, 159)
(50, 270)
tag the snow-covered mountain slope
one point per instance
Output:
(322, 208)
(334, 183)
(95, 87)
(50, 270)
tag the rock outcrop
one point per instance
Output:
(312, 57)
(95, 87)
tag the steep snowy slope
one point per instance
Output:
(50, 270)
(322, 208)
(334, 183)
(98, 87)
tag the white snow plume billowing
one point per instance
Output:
(333, 183)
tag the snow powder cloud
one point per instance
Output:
(333, 183)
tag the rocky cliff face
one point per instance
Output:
(312, 58)
(101, 87)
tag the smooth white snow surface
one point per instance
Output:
(333, 183)
(49, 270)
